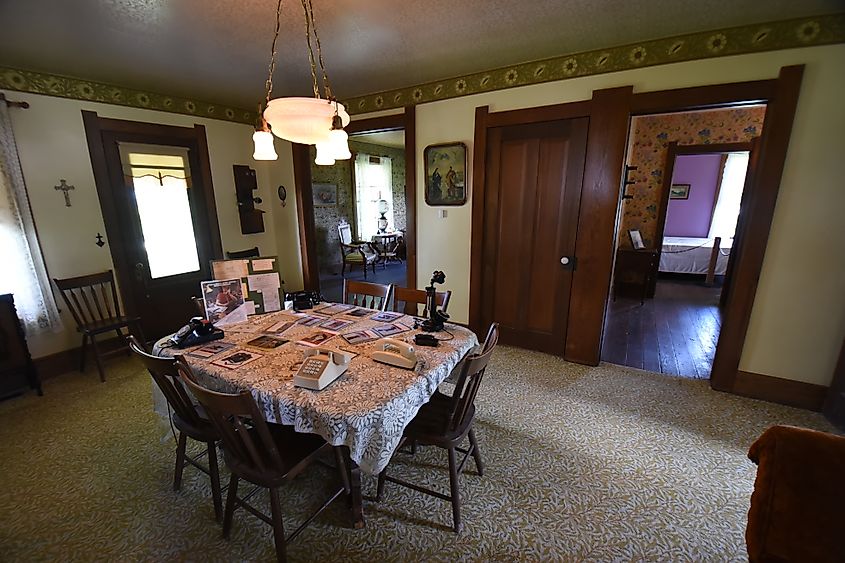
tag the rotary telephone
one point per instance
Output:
(197, 331)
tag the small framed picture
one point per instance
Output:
(445, 174)
(679, 191)
(636, 239)
(325, 195)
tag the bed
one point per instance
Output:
(688, 255)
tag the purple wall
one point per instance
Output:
(691, 217)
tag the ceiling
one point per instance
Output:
(395, 139)
(218, 51)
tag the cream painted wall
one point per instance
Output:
(798, 320)
(52, 145)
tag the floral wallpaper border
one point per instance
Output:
(89, 90)
(756, 38)
(789, 34)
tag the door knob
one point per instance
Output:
(568, 262)
(565, 260)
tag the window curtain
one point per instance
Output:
(22, 271)
(726, 212)
(373, 183)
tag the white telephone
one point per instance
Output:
(396, 353)
(320, 367)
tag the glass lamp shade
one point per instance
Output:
(264, 149)
(303, 120)
(339, 143)
(382, 206)
(324, 155)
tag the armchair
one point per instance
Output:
(355, 253)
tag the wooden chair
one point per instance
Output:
(248, 253)
(366, 294)
(444, 422)
(355, 253)
(263, 454)
(417, 297)
(187, 418)
(93, 302)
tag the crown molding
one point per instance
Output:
(88, 90)
(756, 38)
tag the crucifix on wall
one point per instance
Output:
(65, 188)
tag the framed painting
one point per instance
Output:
(679, 191)
(325, 195)
(445, 174)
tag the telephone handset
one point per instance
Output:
(197, 331)
(320, 367)
(395, 353)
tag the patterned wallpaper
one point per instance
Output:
(647, 148)
(327, 218)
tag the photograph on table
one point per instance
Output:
(237, 359)
(387, 317)
(336, 325)
(334, 309)
(317, 339)
(224, 301)
(279, 327)
(311, 320)
(212, 349)
(360, 336)
(391, 329)
(266, 342)
(359, 313)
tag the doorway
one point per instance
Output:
(360, 202)
(677, 224)
(531, 202)
(155, 191)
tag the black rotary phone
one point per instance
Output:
(305, 299)
(197, 331)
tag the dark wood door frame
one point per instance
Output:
(673, 151)
(610, 112)
(305, 203)
(151, 133)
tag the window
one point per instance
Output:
(373, 177)
(161, 183)
(726, 212)
(22, 271)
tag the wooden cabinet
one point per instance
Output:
(17, 372)
(635, 273)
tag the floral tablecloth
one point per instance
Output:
(366, 409)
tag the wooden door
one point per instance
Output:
(160, 202)
(531, 201)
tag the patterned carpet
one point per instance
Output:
(594, 464)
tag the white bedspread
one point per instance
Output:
(690, 255)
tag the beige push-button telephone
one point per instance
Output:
(396, 353)
(320, 367)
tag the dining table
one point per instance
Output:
(364, 412)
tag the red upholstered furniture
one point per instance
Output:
(798, 506)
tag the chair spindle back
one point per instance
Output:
(230, 414)
(417, 297)
(91, 298)
(469, 381)
(366, 294)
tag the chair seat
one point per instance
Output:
(354, 257)
(430, 424)
(203, 432)
(105, 325)
(294, 449)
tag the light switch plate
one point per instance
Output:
(442, 213)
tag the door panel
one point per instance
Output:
(532, 196)
(161, 296)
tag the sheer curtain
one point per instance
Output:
(373, 176)
(22, 271)
(726, 212)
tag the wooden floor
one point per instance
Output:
(674, 333)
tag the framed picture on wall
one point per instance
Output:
(445, 174)
(679, 191)
(636, 239)
(325, 195)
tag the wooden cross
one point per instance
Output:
(63, 186)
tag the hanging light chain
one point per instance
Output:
(310, 49)
(327, 88)
(268, 86)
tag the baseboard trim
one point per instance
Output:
(68, 360)
(777, 390)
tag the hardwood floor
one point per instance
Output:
(331, 285)
(675, 333)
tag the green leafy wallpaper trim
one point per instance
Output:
(790, 34)
(79, 89)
